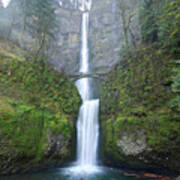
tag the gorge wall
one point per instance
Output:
(106, 33)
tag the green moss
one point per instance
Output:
(34, 99)
(135, 96)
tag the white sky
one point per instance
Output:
(5, 3)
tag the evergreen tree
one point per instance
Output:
(170, 24)
(148, 17)
(40, 21)
(175, 103)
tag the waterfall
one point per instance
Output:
(88, 133)
(84, 66)
(87, 124)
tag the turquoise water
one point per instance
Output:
(69, 174)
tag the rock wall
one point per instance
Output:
(106, 36)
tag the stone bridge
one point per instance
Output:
(99, 76)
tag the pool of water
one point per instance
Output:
(102, 173)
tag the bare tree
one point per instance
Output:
(127, 11)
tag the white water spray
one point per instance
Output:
(5, 3)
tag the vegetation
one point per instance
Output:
(40, 22)
(142, 93)
(175, 103)
(34, 100)
(35, 22)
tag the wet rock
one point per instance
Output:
(130, 174)
(151, 175)
(132, 144)
(57, 151)
(164, 178)
(56, 146)
(178, 178)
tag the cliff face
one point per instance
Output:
(139, 127)
(106, 35)
(103, 36)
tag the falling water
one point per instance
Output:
(87, 124)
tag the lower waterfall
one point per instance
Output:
(88, 133)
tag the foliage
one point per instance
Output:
(26, 128)
(34, 100)
(136, 96)
(23, 128)
(37, 83)
(176, 85)
(149, 12)
(142, 92)
(159, 21)
(170, 24)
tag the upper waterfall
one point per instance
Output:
(82, 5)
(84, 61)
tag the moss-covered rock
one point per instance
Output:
(38, 107)
(140, 128)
